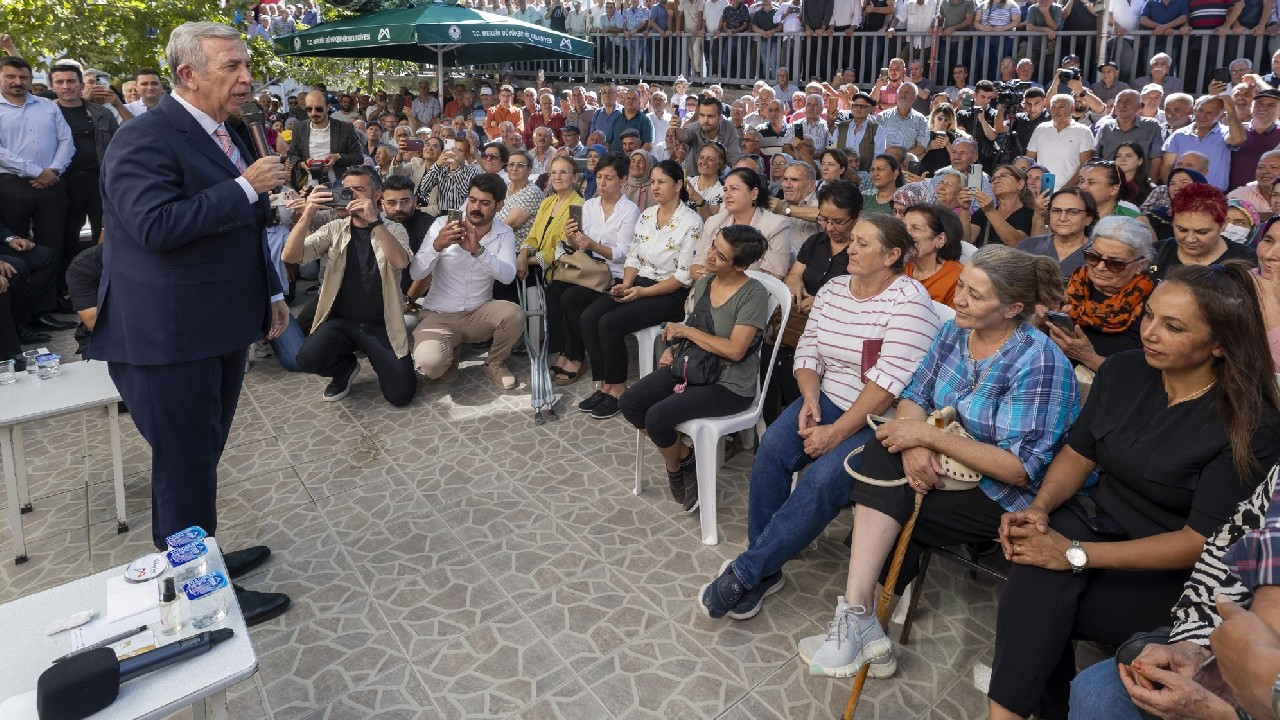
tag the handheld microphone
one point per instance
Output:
(253, 119)
(82, 685)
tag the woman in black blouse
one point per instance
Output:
(822, 257)
(1178, 433)
(1006, 217)
(1199, 215)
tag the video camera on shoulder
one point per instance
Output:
(1010, 94)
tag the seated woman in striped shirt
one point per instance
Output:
(867, 333)
(1014, 392)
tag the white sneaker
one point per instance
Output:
(261, 349)
(854, 637)
(881, 668)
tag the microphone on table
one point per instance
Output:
(82, 685)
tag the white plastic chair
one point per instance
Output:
(706, 432)
(647, 339)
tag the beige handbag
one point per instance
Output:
(958, 476)
(579, 268)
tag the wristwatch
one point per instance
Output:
(1076, 557)
(479, 251)
(375, 223)
(787, 211)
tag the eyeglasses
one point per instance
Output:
(517, 165)
(491, 156)
(1093, 258)
(1099, 162)
(314, 109)
(1002, 176)
(833, 222)
(1069, 212)
(861, 106)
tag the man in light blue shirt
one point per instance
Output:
(1207, 136)
(635, 23)
(35, 148)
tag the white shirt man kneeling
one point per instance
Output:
(464, 259)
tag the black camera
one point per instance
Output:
(317, 170)
(1010, 94)
(342, 196)
(1066, 75)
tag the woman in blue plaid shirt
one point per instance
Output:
(1016, 395)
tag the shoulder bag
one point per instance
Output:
(957, 475)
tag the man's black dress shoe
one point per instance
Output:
(259, 607)
(240, 562)
(65, 307)
(49, 322)
(27, 336)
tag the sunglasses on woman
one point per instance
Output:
(1092, 257)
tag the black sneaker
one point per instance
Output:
(590, 403)
(675, 480)
(749, 606)
(340, 386)
(723, 594)
(690, 491)
(606, 408)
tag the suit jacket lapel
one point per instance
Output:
(196, 137)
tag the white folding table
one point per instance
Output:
(78, 386)
(200, 682)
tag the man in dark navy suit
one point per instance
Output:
(187, 284)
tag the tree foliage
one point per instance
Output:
(119, 36)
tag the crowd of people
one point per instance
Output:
(1008, 263)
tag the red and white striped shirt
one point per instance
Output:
(888, 333)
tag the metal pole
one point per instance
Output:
(370, 76)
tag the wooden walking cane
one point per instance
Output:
(882, 607)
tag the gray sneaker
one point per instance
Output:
(881, 668)
(853, 637)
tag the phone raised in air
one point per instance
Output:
(1222, 75)
(975, 177)
(1047, 182)
(413, 145)
(575, 214)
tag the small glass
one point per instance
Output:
(7, 374)
(29, 357)
(206, 600)
(48, 365)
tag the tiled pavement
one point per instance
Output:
(451, 559)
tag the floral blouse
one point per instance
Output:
(662, 252)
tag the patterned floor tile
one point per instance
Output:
(591, 616)
(250, 460)
(531, 562)
(611, 526)
(491, 514)
(292, 533)
(54, 514)
(662, 675)
(354, 513)
(343, 471)
(402, 548)
(451, 475)
(669, 570)
(265, 494)
(52, 561)
(337, 435)
(137, 498)
(440, 604)
(750, 649)
(570, 701)
(398, 695)
(109, 549)
(492, 671)
(316, 663)
(316, 586)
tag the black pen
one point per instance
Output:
(102, 643)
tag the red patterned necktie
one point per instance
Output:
(228, 147)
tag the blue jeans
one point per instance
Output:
(782, 522)
(1098, 693)
(285, 347)
(768, 52)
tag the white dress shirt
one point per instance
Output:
(461, 282)
(616, 231)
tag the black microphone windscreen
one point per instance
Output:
(250, 113)
(78, 687)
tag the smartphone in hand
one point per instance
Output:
(1062, 320)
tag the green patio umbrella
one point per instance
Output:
(435, 32)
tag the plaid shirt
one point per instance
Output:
(1255, 558)
(1023, 399)
(736, 16)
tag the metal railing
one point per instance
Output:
(743, 59)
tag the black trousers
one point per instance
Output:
(330, 351)
(652, 404)
(565, 304)
(84, 201)
(33, 288)
(947, 517)
(38, 214)
(1042, 611)
(9, 345)
(782, 390)
(184, 411)
(607, 322)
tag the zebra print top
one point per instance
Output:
(1195, 615)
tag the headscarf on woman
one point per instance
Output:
(637, 189)
(916, 193)
(588, 175)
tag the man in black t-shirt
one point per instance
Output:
(400, 205)
(1036, 112)
(980, 123)
(360, 305)
(92, 127)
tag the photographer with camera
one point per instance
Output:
(1072, 78)
(1018, 133)
(323, 148)
(978, 118)
(360, 305)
